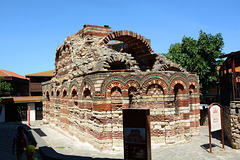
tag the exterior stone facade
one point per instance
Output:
(99, 72)
(231, 123)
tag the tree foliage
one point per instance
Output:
(199, 56)
(4, 86)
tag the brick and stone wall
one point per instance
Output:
(231, 123)
(95, 79)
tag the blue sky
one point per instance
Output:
(31, 30)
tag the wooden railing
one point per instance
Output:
(35, 87)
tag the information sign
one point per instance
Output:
(215, 121)
(215, 118)
(136, 133)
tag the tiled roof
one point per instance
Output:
(24, 98)
(237, 69)
(5, 73)
(41, 74)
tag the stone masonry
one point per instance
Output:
(231, 123)
(99, 72)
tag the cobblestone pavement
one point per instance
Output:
(7, 131)
(196, 149)
(60, 145)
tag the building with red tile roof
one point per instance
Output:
(27, 93)
(5, 73)
(41, 74)
(35, 81)
(19, 83)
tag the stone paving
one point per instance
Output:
(56, 144)
(7, 131)
(196, 149)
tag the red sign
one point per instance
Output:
(215, 121)
(215, 118)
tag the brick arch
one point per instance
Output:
(122, 59)
(192, 83)
(86, 83)
(179, 82)
(179, 79)
(52, 92)
(57, 93)
(139, 44)
(64, 85)
(111, 85)
(47, 87)
(133, 83)
(157, 81)
(171, 67)
(47, 95)
(107, 81)
(64, 89)
(73, 85)
(86, 87)
(192, 80)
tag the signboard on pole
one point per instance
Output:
(215, 118)
(215, 121)
(136, 131)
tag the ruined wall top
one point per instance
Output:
(94, 30)
(99, 48)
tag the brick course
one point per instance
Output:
(93, 82)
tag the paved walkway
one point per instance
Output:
(71, 148)
(7, 131)
(60, 145)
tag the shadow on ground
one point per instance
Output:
(218, 136)
(49, 153)
(206, 147)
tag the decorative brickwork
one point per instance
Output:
(95, 78)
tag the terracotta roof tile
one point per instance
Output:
(25, 98)
(41, 74)
(5, 73)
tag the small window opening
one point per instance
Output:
(58, 93)
(52, 93)
(48, 97)
(131, 92)
(116, 92)
(74, 93)
(191, 90)
(64, 93)
(178, 89)
(118, 65)
(87, 94)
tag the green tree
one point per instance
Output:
(199, 56)
(4, 87)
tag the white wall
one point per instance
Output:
(2, 115)
(32, 111)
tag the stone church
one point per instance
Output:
(99, 71)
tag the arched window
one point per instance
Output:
(178, 89)
(191, 91)
(47, 96)
(87, 94)
(154, 89)
(52, 93)
(116, 92)
(74, 93)
(64, 94)
(131, 94)
(57, 93)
